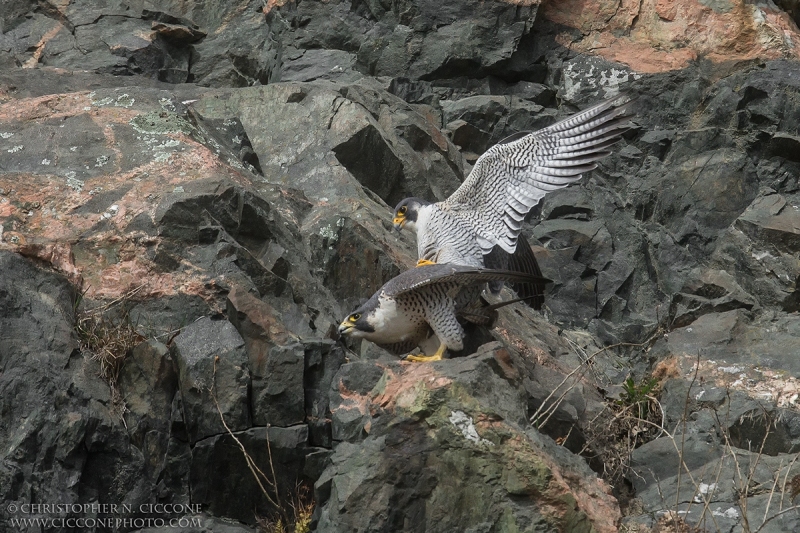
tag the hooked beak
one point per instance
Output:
(399, 222)
(345, 327)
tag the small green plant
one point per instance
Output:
(294, 520)
(638, 396)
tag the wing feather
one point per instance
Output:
(512, 176)
(419, 277)
(400, 348)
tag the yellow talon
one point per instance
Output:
(422, 358)
(424, 262)
(427, 358)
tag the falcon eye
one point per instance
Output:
(402, 210)
(354, 317)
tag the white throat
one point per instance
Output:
(390, 324)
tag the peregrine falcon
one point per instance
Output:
(422, 306)
(510, 178)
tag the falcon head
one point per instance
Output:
(357, 324)
(405, 214)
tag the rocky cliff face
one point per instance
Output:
(193, 195)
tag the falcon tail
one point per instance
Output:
(522, 260)
(485, 314)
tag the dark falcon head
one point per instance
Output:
(406, 212)
(357, 323)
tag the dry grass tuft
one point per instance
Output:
(626, 424)
(671, 522)
(109, 341)
(107, 333)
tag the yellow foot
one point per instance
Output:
(423, 358)
(424, 262)
(428, 358)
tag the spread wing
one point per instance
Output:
(419, 277)
(511, 177)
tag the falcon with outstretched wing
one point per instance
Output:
(486, 212)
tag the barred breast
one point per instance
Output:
(445, 239)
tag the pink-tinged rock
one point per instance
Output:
(658, 35)
(53, 207)
(666, 9)
(461, 406)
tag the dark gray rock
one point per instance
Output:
(413, 91)
(173, 484)
(407, 148)
(322, 362)
(736, 337)
(227, 135)
(249, 241)
(231, 58)
(422, 40)
(224, 484)
(148, 382)
(78, 130)
(63, 439)
(571, 245)
(535, 92)
(37, 343)
(320, 64)
(177, 43)
(163, 318)
(478, 113)
(750, 423)
(26, 83)
(479, 122)
(770, 220)
(328, 167)
(303, 41)
(349, 419)
(708, 292)
(214, 378)
(109, 41)
(657, 143)
(572, 406)
(584, 77)
(276, 360)
(278, 398)
(50, 306)
(747, 259)
(705, 194)
(723, 442)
